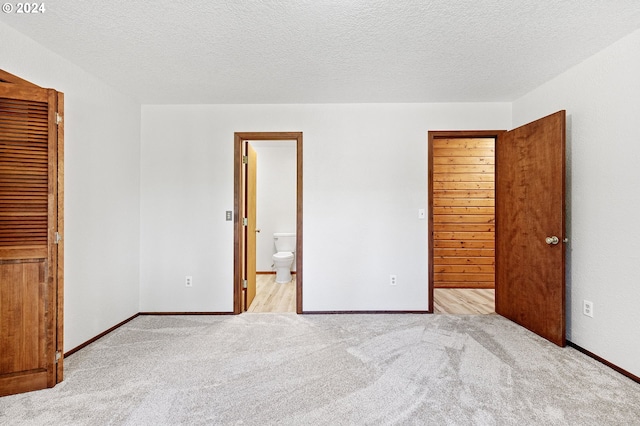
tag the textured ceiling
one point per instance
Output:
(318, 51)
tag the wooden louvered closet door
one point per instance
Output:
(30, 303)
(463, 212)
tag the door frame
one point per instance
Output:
(446, 134)
(238, 207)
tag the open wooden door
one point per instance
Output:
(30, 229)
(252, 166)
(530, 226)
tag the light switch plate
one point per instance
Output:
(421, 214)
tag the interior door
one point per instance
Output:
(240, 205)
(30, 292)
(530, 226)
(252, 164)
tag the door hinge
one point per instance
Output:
(58, 356)
(58, 118)
(245, 221)
(244, 284)
(57, 238)
(245, 159)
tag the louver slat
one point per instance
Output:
(23, 173)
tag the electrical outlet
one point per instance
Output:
(587, 308)
(393, 279)
(188, 281)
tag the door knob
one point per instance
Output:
(552, 240)
(257, 229)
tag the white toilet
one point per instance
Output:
(283, 258)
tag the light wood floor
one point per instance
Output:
(273, 297)
(463, 301)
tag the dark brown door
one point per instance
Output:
(30, 297)
(530, 227)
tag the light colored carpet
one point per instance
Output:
(287, 369)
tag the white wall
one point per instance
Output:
(602, 99)
(102, 160)
(365, 177)
(276, 196)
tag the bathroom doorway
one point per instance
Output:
(260, 185)
(275, 208)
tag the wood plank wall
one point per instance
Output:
(463, 213)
